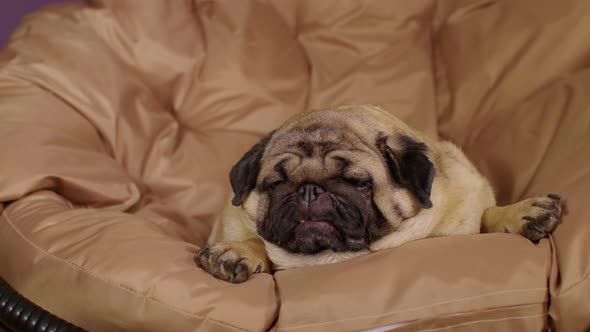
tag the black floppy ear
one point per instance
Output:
(244, 174)
(410, 167)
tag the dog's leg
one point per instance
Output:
(533, 218)
(234, 261)
(234, 252)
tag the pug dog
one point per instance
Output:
(337, 183)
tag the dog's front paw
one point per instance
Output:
(231, 261)
(540, 216)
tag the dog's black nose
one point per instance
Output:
(309, 192)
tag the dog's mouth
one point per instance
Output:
(319, 226)
(316, 234)
(311, 221)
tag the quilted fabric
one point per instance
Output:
(120, 120)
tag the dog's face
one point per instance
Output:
(335, 179)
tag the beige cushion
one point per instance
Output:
(119, 121)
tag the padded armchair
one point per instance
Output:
(120, 120)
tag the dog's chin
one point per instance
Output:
(313, 236)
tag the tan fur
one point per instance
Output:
(461, 196)
(533, 217)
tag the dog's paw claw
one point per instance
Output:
(226, 263)
(541, 216)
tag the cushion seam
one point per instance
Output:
(483, 321)
(576, 284)
(415, 308)
(108, 282)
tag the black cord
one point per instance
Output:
(17, 314)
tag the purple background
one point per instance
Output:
(12, 12)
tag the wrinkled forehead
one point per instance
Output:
(338, 127)
(313, 149)
(315, 140)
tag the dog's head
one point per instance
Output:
(334, 179)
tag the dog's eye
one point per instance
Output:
(268, 186)
(360, 184)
